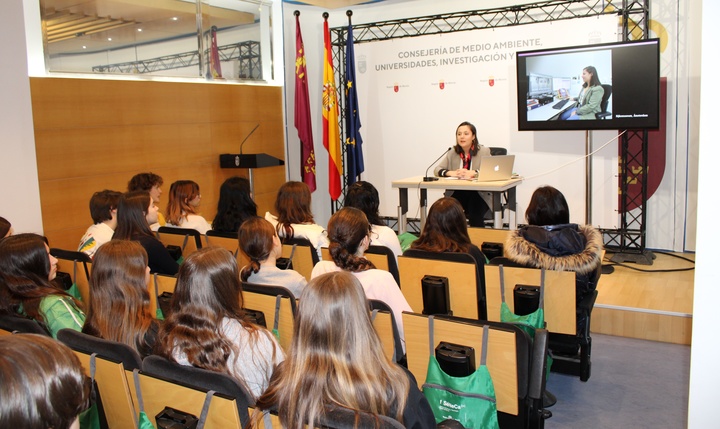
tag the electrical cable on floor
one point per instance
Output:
(672, 270)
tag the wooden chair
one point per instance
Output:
(78, 265)
(386, 327)
(466, 287)
(227, 241)
(114, 364)
(304, 257)
(277, 304)
(559, 308)
(159, 283)
(187, 239)
(517, 367)
(478, 236)
(164, 383)
(381, 256)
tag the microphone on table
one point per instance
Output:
(432, 178)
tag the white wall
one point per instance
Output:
(704, 374)
(20, 202)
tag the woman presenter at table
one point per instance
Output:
(463, 163)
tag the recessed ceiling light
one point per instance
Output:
(84, 47)
(140, 29)
(109, 39)
(174, 18)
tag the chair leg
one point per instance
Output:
(585, 360)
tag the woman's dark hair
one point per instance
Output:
(256, 241)
(364, 196)
(475, 145)
(4, 227)
(547, 207)
(131, 221)
(293, 206)
(346, 230)
(235, 205)
(445, 228)
(24, 275)
(144, 182)
(43, 383)
(595, 80)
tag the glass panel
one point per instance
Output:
(156, 38)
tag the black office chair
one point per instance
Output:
(495, 151)
(604, 103)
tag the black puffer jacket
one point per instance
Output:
(568, 247)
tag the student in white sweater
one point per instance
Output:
(350, 235)
(182, 208)
(259, 241)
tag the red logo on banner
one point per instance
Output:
(396, 88)
(491, 81)
(442, 84)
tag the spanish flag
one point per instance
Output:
(331, 129)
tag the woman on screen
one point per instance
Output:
(463, 162)
(589, 98)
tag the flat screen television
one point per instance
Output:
(550, 87)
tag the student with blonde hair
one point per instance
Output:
(207, 327)
(119, 299)
(260, 242)
(336, 360)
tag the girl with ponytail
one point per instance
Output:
(260, 242)
(350, 235)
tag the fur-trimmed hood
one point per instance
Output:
(564, 247)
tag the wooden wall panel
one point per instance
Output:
(96, 134)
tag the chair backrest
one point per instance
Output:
(77, 264)
(187, 239)
(276, 303)
(559, 297)
(606, 96)
(305, 256)
(478, 236)
(495, 151)
(508, 357)
(227, 241)
(384, 259)
(342, 418)
(159, 283)
(10, 324)
(386, 327)
(164, 383)
(114, 364)
(467, 294)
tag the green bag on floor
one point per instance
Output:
(469, 400)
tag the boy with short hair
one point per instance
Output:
(103, 209)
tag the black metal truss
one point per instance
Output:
(630, 236)
(248, 53)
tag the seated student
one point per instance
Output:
(119, 307)
(151, 183)
(5, 228)
(43, 383)
(182, 209)
(446, 231)
(136, 212)
(207, 327)
(364, 196)
(295, 218)
(349, 233)
(103, 210)
(27, 270)
(550, 241)
(259, 241)
(336, 359)
(235, 205)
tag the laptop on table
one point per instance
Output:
(496, 168)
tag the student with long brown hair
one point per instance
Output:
(136, 212)
(27, 271)
(207, 327)
(119, 299)
(336, 360)
(294, 215)
(350, 235)
(183, 207)
(259, 241)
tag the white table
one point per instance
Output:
(496, 188)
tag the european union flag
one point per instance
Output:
(353, 140)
